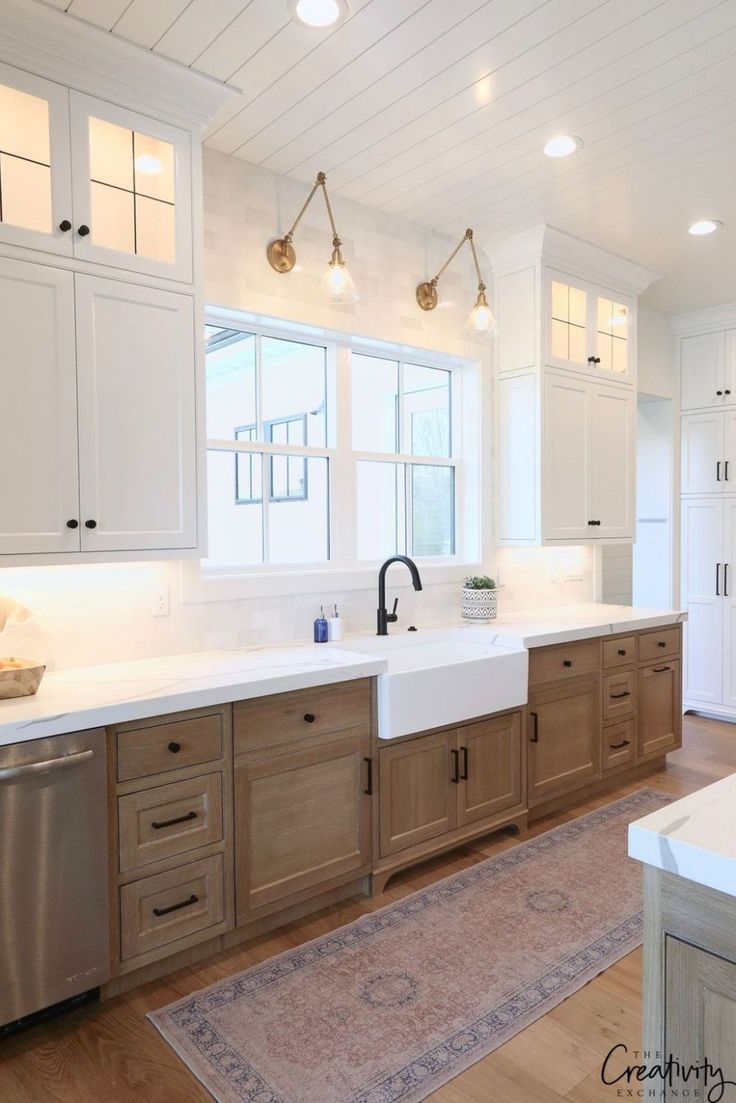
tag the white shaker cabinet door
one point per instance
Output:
(702, 595)
(137, 441)
(727, 589)
(566, 459)
(702, 365)
(612, 452)
(39, 492)
(703, 453)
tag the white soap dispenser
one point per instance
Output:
(334, 627)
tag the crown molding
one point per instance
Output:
(52, 44)
(562, 250)
(704, 321)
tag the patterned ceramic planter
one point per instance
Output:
(479, 604)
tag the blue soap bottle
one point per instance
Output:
(320, 627)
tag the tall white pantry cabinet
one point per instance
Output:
(566, 391)
(100, 294)
(707, 355)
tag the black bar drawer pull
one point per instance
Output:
(725, 579)
(718, 577)
(718, 471)
(368, 791)
(535, 732)
(661, 669)
(567, 662)
(618, 696)
(174, 747)
(170, 823)
(175, 907)
(455, 766)
(309, 717)
(618, 746)
(622, 650)
(464, 774)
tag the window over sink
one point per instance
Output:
(326, 452)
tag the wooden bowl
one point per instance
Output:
(21, 679)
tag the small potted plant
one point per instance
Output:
(479, 598)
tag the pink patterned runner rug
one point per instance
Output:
(395, 1004)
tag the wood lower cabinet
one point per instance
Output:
(700, 1007)
(418, 800)
(660, 711)
(302, 821)
(564, 737)
(449, 780)
(490, 768)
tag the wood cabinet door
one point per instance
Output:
(418, 797)
(564, 737)
(612, 461)
(699, 1011)
(566, 475)
(137, 439)
(39, 505)
(660, 716)
(702, 364)
(490, 768)
(302, 819)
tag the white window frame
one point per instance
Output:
(344, 571)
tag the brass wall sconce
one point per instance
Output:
(337, 281)
(481, 320)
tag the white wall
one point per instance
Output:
(103, 613)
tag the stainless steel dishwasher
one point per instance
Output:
(54, 938)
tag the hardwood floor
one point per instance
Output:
(109, 1053)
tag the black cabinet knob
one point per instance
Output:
(90, 524)
(622, 651)
(174, 747)
(661, 643)
(567, 662)
(72, 523)
(591, 359)
(65, 226)
(83, 230)
(309, 717)
(719, 393)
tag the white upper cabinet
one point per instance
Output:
(588, 328)
(131, 182)
(137, 446)
(80, 177)
(38, 442)
(35, 173)
(588, 483)
(708, 379)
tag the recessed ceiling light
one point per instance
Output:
(562, 145)
(318, 13)
(705, 226)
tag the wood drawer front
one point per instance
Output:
(552, 664)
(619, 652)
(289, 717)
(160, 747)
(619, 744)
(169, 820)
(657, 645)
(187, 899)
(619, 694)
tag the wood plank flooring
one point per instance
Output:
(109, 1053)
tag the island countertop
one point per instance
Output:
(694, 837)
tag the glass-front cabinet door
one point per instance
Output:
(132, 190)
(588, 328)
(35, 186)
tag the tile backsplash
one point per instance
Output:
(103, 613)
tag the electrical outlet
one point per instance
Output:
(160, 603)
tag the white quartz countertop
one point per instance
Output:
(695, 837)
(538, 628)
(87, 697)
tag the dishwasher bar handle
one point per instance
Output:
(65, 762)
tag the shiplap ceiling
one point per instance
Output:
(437, 111)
